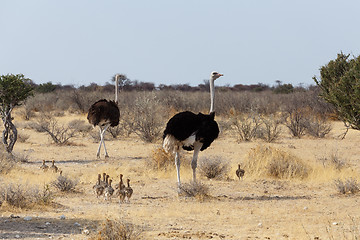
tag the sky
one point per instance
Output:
(80, 42)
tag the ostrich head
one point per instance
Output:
(215, 75)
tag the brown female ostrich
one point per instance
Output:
(104, 114)
(191, 131)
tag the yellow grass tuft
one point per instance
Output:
(263, 161)
(117, 229)
(161, 160)
(269, 162)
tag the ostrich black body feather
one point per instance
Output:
(103, 112)
(185, 124)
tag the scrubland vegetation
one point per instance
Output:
(286, 139)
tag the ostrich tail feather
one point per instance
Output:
(169, 143)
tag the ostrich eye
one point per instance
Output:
(215, 73)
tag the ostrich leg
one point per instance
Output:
(102, 141)
(197, 147)
(177, 164)
(101, 138)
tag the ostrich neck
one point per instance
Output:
(116, 89)
(212, 95)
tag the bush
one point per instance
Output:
(161, 160)
(22, 137)
(334, 160)
(64, 184)
(348, 186)
(270, 128)
(82, 100)
(45, 87)
(20, 196)
(214, 167)
(27, 111)
(127, 123)
(58, 133)
(195, 189)
(80, 126)
(296, 121)
(246, 126)
(318, 127)
(284, 89)
(340, 86)
(119, 230)
(148, 125)
(267, 161)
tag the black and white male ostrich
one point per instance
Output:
(191, 131)
(104, 114)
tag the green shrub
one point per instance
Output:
(340, 86)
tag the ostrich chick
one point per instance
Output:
(240, 172)
(128, 190)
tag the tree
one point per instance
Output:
(46, 87)
(340, 86)
(14, 89)
(283, 88)
(124, 82)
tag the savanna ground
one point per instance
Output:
(257, 207)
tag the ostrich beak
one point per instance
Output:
(219, 75)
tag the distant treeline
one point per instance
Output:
(129, 85)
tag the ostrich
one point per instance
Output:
(104, 114)
(53, 167)
(99, 189)
(128, 190)
(120, 185)
(44, 167)
(240, 172)
(109, 191)
(191, 132)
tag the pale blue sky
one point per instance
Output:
(175, 42)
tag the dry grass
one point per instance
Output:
(59, 133)
(269, 162)
(161, 160)
(246, 125)
(232, 209)
(64, 184)
(117, 229)
(214, 168)
(21, 137)
(21, 196)
(196, 190)
(275, 163)
(350, 185)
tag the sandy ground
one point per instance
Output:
(254, 208)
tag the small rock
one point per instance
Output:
(14, 216)
(62, 217)
(47, 223)
(28, 218)
(77, 224)
(305, 208)
(86, 232)
(335, 223)
(17, 236)
(260, 225)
